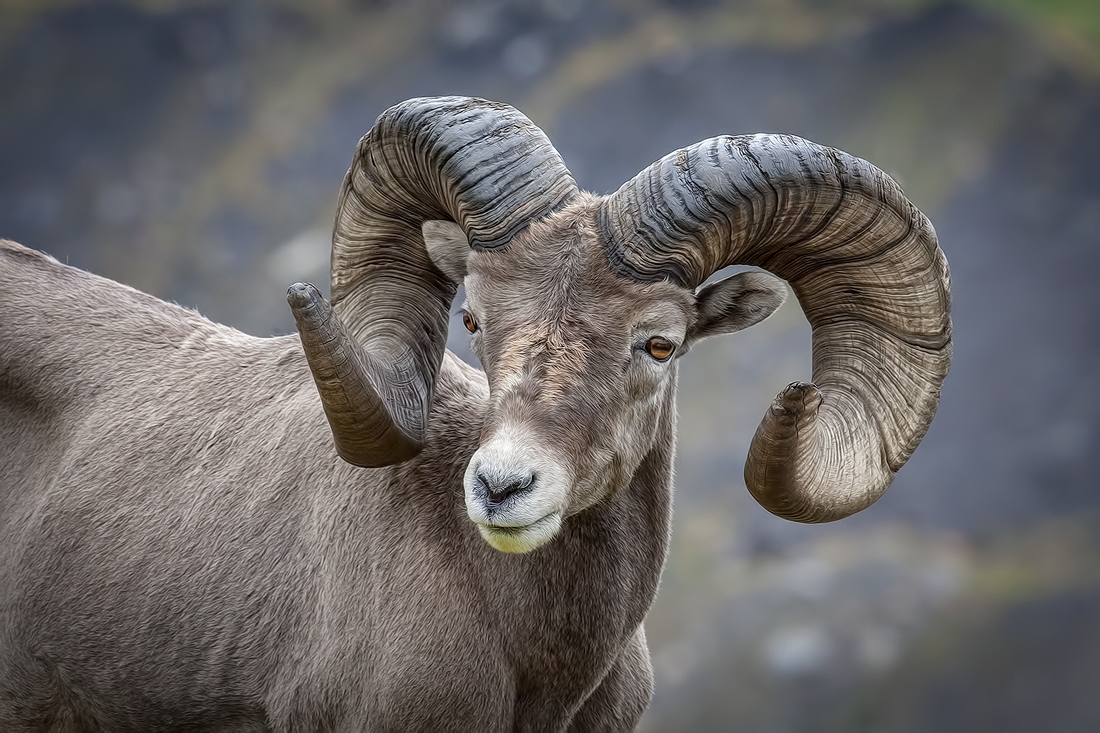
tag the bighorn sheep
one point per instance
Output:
(186, 545)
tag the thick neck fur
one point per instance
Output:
(541, 628)
(181, 549)
(568, 608)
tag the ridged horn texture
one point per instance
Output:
(375, 352)
(868, 272)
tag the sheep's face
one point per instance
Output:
(581, 365)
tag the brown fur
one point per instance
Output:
(182, 549)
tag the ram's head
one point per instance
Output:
(580, 305)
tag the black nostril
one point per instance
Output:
(498, 488)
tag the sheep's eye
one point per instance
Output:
(469, 321)
(659, 348)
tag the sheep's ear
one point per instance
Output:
(447, 246)
(735, 303)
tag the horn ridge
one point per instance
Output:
(481, 164)
(867, 269)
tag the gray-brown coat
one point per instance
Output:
(186, 545)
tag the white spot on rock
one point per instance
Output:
(794, 651)
(525, 56)
(302, 257)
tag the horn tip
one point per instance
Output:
(399, 452)
(796, 399)
(302, 295)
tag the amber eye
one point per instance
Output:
(469, 322)
(659, 348)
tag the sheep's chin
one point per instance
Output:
(522, 539)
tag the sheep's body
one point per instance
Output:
(185, 545)
(183, 549)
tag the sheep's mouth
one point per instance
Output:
(522, 539)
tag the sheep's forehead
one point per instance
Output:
(554, 312)
(556, 277)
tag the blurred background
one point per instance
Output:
(194, 149)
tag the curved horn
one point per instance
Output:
(866, 268)
(376, 351)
